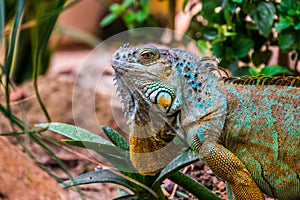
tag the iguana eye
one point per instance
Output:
(148, 55)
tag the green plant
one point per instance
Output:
(116, 151)
(242, 33)
(134, 13)
(16, 18)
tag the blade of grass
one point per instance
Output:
(11, 53)
(40, 36)
(78, 34)
(50, 153)
(13, 118)
(2, 36)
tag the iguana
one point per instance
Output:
(247, 130)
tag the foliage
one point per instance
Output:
(30, 22)
(134, 13)
(116, 151)
(241, 31)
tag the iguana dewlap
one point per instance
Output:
(247, 130)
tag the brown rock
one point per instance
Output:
(20, 178)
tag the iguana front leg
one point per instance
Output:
(228, 167)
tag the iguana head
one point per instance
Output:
(143, 78)
(150, 82)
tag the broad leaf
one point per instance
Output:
(74, 133)
(202, 46)
(101, 176)
(108, 19)
(261, 57)
(119, 159)
(274, 70)
(116, 138)
(286, 39)
(107, 176)
(197, 189)
(187, 157)
(241, 46)
(127, 197)
(263, 16)
(283, 24)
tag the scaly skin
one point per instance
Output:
(246, 130)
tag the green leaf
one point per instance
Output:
(127, 3)
(261, 57)
(238, 1)
(187, 157)
(197, 189)
(218, 50)
(144, 2)
(208, 9)
(101, 176)
(239, 71)
(283, 24)
(116, 138)
(273, 70)
(129, 18)
(185, 2)
(108, 19)
(141, 16)
(74, 132)
(117, 9)
(286, 39)
(253, 72)
(202, 46)
(13, 41)
(297, 26)
(241, 46)
(119, 159)
(263, 16)
(127, 197)
(2, 26)
(101, 149)
(210, 33)
(107, 176)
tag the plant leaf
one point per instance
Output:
(283, 24)
(116, 138)
(261, 57)
(187, 157)
(242, 46)
(119, 159)
(286, 39)
(107, 176)
(74, 133)
(197, 189)
(263, 15)
(101, 176)
(108, 19)
(202, 46)
(127, 197)
(273, 70)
